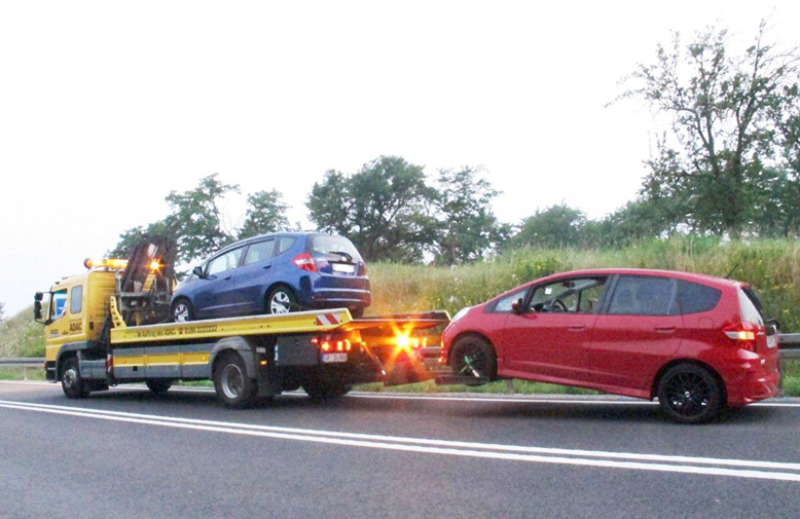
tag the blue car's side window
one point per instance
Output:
(228, 261)
(259, 251)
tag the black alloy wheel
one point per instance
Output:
(473, 357)
(688, 393)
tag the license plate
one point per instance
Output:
(772, 341)
(343, 267)
(334, 357)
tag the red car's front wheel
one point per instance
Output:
(473, 356)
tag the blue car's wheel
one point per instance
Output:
(281, 300)
(181, 311)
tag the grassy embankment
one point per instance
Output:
(771, 266)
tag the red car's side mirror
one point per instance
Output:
(518, 306)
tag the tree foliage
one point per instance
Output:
(733, 125)
(266, 213)
(467, 226)
(194, 221)
(556, 226)
(384, 209)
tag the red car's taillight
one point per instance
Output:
(305, 261)
(744, 334)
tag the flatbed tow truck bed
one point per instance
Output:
(323, 351)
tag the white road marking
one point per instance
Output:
(618, 460)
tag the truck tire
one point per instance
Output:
(234, 388)
(71, 382)
(320, 388)
(158, 387)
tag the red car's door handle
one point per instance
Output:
(665, 329)
(577, 328)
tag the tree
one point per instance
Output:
(2, 310)
(726, 120)
(467, 225)
(384, 209)
(194, 222)
(266, 213)
(557, 226)
(130, 238)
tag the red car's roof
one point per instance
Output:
(686, 276)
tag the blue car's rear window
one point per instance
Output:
(326, 244)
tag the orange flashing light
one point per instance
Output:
(106, 263)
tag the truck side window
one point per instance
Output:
(58, 306)
(76, 300)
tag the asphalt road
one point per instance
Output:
(125, 453)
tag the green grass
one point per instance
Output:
(519, 387)
(21, 374)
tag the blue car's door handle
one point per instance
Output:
(226, 278)
(267, 266)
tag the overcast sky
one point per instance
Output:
(107, 106)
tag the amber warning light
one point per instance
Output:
(105, 263)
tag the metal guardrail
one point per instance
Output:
(27, 362)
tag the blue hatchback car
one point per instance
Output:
(274, 274)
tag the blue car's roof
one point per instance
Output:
(295, 234)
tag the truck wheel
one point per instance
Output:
(181, 311)
(231, 382)
(158, 387)
(473, 357)
(320, 389)
(689, 394)
(357, 312)
(281, 300)
(71, 382)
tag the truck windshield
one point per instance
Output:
(58, 304)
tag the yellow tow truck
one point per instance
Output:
(109, 326)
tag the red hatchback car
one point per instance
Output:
(696, 342)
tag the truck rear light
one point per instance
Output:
(333, 343)
(305, 261)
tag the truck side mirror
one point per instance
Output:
(198, 271)
(37, 309)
